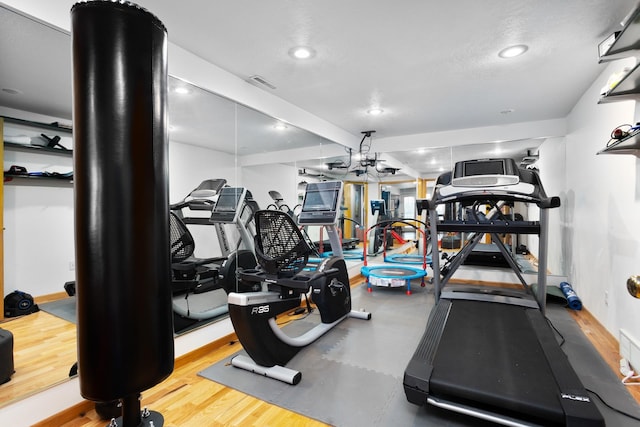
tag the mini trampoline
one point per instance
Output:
(392, 276)
(353, 254)
(400, 274)
(406, 259)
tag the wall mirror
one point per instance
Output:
(209, 137)
(401, 191)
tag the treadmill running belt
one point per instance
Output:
(489, 355)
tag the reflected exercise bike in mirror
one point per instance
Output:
(201, 285)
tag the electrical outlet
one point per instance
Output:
(72, 265)
(630, 350)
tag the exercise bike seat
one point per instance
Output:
(300, 282)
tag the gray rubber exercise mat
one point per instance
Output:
(352, 376)
(66, 308)
(63, 308)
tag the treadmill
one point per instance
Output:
(489, 352)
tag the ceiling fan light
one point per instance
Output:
(375, 111)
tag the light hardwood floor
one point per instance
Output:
(185, 399)
(44, 349)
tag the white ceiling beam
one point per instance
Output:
(319, 152)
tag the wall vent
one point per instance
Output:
(260, 81)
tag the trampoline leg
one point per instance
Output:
(408, 287)
(369, 289)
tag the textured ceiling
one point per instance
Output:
(432, 66)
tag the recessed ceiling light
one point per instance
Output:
(182, 90)
(11, 91)
(302, 52)
(375, 111)
(280, 126)
(513, 51)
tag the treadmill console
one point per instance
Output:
(485, 173)
(321, 203)
(379, 207)
(227, 207)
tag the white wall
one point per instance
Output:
(189, 165)
(262, 179)
(601, 211)
(552, 173)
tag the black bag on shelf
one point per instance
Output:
(19, 303)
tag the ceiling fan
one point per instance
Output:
(364, 161)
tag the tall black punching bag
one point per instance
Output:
(125, 330)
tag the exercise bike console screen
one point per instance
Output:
(227, 206)
(485, 173)
(320, 205)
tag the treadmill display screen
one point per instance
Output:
(228, 200)
(488, 167)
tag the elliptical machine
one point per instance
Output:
(282, 253)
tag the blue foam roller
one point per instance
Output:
(572, 298)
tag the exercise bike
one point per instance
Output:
(282, 253)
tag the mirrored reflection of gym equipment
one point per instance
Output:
(279, 204)
(424, 244)
(211, 279)
(396, 274)
(191, 274)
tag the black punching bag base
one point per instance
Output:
(148, 419)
